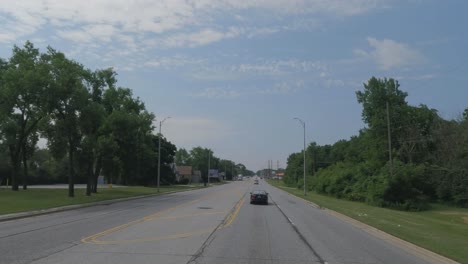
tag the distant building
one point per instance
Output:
(184, 172)
(214, 173)
(279, 175)
(196, 177)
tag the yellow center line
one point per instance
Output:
(93, 239)
(188, 215)
(234, 214)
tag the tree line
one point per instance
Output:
(429, 155)
(92, 126)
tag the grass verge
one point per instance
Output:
(37, 199)
(443, 229)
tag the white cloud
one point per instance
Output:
(333, 7)
(212, 93)
(283, 88)
(272, 69)
(390, 54)
(157, 17)
(275, 67)
(203, 37)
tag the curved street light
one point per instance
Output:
(159, 149)
(303, 126)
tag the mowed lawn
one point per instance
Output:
(37, 199)
(442, 229)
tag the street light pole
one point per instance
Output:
(303, 126)
(159, 149)
(209, 158)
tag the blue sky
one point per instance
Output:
(233, 74)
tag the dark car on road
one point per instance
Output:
(259, 196)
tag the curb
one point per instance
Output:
(15, 216)
(425, 254)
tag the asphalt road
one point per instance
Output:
(214, 225)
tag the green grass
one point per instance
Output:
(442, 229)
(36, 199)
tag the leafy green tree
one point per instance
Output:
(130, 126)
(92, 120)
(182, 157)
(200, 160)
(24, 89)
(294, 169)
(70, 97)
(374, 98)
(168, 152)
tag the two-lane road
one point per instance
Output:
(213, 225)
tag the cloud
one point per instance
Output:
(283, 88)
(390, 54)
(76, 18)
(272, 69)
(277, 67)
(331, 7)
(173, 62)
(212, 93)
(200, 38)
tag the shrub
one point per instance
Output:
(184, 181)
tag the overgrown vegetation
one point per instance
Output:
(429, 155)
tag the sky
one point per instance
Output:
(233, 75)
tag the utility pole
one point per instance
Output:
(303, 126)
(269, 168)
(277, 168)
(159, 149)
(389, 141)
(209, 158)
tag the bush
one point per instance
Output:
(404, 189)
(360, 182)
(184, 181)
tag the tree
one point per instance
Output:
(182, 157)
(69, 98)
(24, 89)
(130, 127)
(200, 160)
(374, 98)
(92, 121)
(168, 152)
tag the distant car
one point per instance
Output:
(259, 196)
(255, 181)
